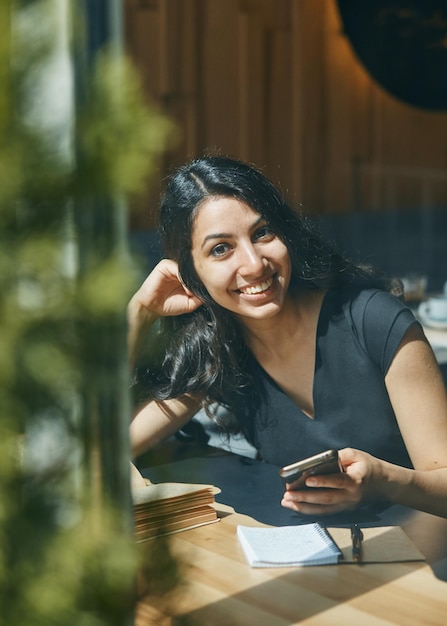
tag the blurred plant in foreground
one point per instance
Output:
(67, 554)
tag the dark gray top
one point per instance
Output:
(357, 338)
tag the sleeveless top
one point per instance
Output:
(357, 337)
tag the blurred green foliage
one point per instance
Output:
(66, 550)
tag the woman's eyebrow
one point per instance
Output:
(229, 235)
(216, 236)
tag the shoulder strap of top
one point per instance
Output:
(371, 339)
(379, 322)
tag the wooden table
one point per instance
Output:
(221, 589)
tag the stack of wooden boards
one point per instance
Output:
(165, 508)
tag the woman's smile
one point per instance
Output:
(257, 289)
(243, 264)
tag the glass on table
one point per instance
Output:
(415, 286)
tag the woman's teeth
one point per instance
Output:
(258, 288)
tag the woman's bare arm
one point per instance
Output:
(419, 398)
(157, 420)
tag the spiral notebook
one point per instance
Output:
(288, 546)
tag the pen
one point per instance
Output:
(356, 536)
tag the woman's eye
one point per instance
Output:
(220, 249)
(265, 232)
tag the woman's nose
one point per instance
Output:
(251, 261)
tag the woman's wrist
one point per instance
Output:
(139, 320)
(394, 482)
(138, 314)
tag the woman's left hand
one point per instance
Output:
(333, 493)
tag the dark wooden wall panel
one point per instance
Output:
(275, 82)
(220, 66)
(252, 80)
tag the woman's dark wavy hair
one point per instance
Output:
(206, 354)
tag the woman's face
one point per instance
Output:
(244, 266)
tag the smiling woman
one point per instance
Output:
(308, 350)
(243, 264)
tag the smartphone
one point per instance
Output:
(294, 475)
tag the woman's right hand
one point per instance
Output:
(163, 293)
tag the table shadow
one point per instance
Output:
(292, 598)
(251, 487)
(254, 488)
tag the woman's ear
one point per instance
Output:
(189, 292)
